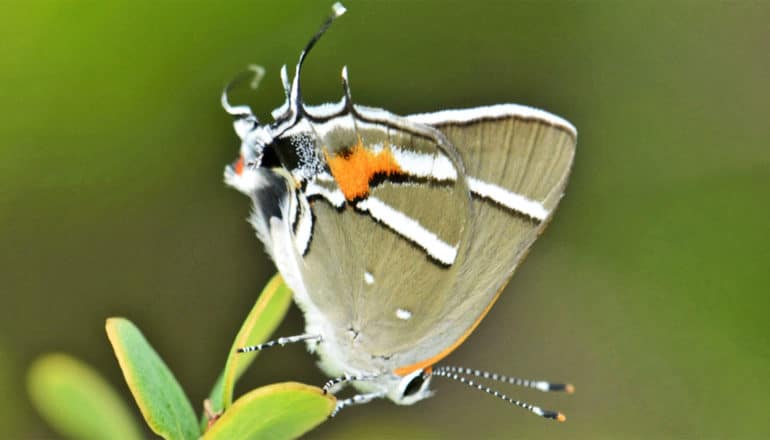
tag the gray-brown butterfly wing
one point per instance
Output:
(371, 268)
(389, 304)
(525, 152)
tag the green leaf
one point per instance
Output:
(279, 411)
(264, 318)
(77, 402)
(159, 396)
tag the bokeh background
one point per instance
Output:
(649, 291)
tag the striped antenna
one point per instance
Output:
(280, 341)
(548, 414)
(541, 385)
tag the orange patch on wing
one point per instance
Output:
(354, 169)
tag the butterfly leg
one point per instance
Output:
(281, 342)
(334, 385)
(358, 399)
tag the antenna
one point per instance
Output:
(548, 414)
(541, 385)
(296, 97)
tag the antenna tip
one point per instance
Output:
(561, 417)
(569, 388)
(338, 9)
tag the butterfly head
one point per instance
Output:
(402, 390)
(243, 173)
(268, 145)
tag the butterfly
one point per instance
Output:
(397, 233)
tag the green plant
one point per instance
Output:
(78, 403)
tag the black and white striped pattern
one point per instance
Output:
(527, 383)
(331, 383)
(548, 414)
(358, 399)
(280, 341)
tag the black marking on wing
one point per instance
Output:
(298, 215)
(268, 199)
(312, 198)
(506, 209)
(406, 178)
(300, 212)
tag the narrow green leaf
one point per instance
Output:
(279, 411)
(264, 318)
(77, 402)
(159, 396)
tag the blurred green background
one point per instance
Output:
(649, 291)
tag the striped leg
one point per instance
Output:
(358, 399)
(344, 380)
(280, 341)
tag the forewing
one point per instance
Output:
(377, 277)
